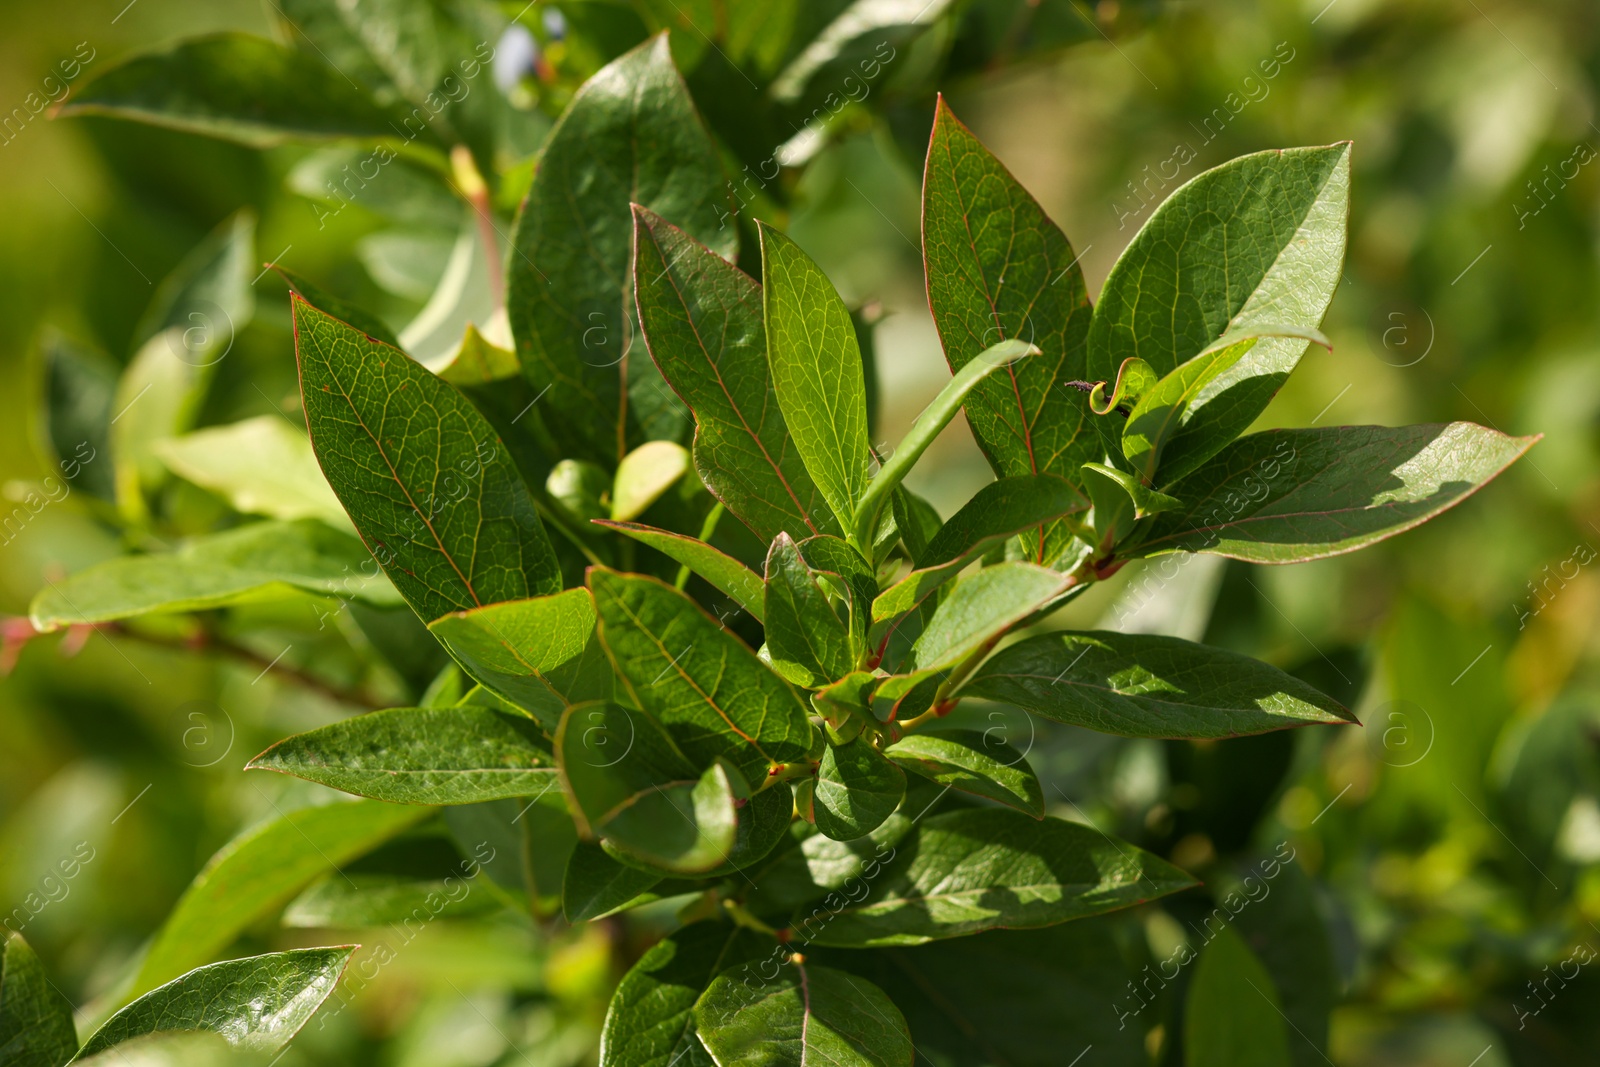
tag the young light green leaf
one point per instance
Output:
(856, 790)
(633, 788)
(850, 575)
(973, 762)
(1146, 685)
(979, 869)
(979, 608)
(596, 885)
(998, 268)
(347, 900)
(650, 1021)
(542, 654)
(261, 870)
(644, 475)
(456, 755)
(816, 373)
(423, 476)
(702, 321)
(261, 466)
(257, 1003)
(806, 640)
(804, 1015)
(1285, 496)
(715, 566)
(158, 396)
(239, 87)
(1145, 501)
(1257, 240)
(1168, 432)
(705, 686)
(1231, 1017)
(567, 288)
(256, 562)
(997, 512)
(35, 1019)
(929, 424)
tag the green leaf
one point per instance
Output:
(542, 654)
(1172, 429)
(80, 383)
(848, 573)
(239, 87)
(257, 1003)
(368, 323)
(1231, 1016)
(633, 788)
(35, 1019)
(425, 479)
(916, 521)
(1287, 932)
(1257, 240)
(597, 885)
(978, 869)
(702, 683)
(996, 513)
(261, 466)
(1285, 496)
(650, 1021)
(262, 561)
(856, 790)
(929, 424)
(804, 1015)
(981, 607)
(816, 373)
(998, 268)
(973, 762)
(717, 567)
(261, 870)
(1146, 685)
(568, 291)
(806, 640)
(1144, 500)
(644, 475)
(702, 320)
(349, 900)
(456, 755)
(210, 294)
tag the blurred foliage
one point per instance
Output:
(1452, 844)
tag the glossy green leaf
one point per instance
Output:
(999, 268)
(35, 1019)
(542, 654)
(717, 567)
(1257, 240)
(981, 607)
(423, 476)
(239, 87)
(929, 423)
(806, 640)
(636, 790)
(567, 288)
(261, 466)
(702, 320)
(319, 298)
(806, 1015)
(261, 870)
(257, 1003)
(997, 512)
(264, 560)
(860, 27)
(1172, 430)
(816, 373)
(1284, 496)
(978, 869)
(702, 683)
(455, 755)
(349, 900)
(596, 885)
(644, 475)
(1231, 1016)
(1146, 685)
(650, 1021)
(973, 762)
(857, 788)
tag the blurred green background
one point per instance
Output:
(1453, 839)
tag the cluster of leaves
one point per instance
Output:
(696, 623)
